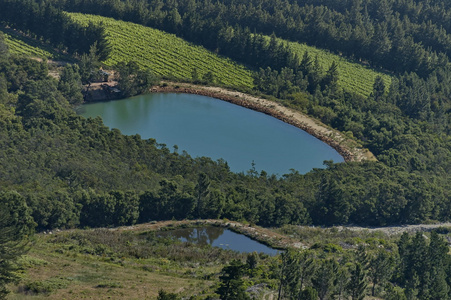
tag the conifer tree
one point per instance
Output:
(232, 287)
(380, 269)
(357, 284)
(202, 189)
(324, 279)
(15, 227)
(378, 89)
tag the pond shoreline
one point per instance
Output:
(262, 235)
(343, 145)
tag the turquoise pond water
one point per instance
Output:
(205, 126)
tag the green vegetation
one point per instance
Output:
(136, 263)
(126, 264)
(16, 225)
(64, 171)
(132, 264)
(165, 54)
(21, 46)
(52, 26)
(352, 76)
(75, 172)
(172, 57)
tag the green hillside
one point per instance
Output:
(21, 45)
(352, 76)
(170, 56)
(166, 54)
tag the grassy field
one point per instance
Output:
(352, 76)
(129, 263)
(103, 264)
(166, 54)
(134, 263)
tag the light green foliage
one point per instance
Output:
(165, 54)
(352, 76)
(20, 47)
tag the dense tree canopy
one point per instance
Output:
(76, 172)
(60, 170)
(16, 225)
(45, 21)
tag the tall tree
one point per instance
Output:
(16, 225)
(380, 269)
(331, 78)
(202, 190)
(231, 287)
(357, 284)
(378, 89)
(324, 279)
(439, 262)
(70, 84)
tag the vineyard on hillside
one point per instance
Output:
(20, 45)
(172, 57)
(353, 77)
(165, 54)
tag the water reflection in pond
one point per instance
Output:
(209, 127)
(219, 237)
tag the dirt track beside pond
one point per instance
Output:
(343, 145)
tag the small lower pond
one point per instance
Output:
(219, 237)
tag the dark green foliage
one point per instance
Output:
(202, 191)
(57, 155)
(331, 77)
(231, 287)
(357, 283)
(394, 34)
(89, 65)
(162, 295)
(378, 89)
(252, 261)
(288, 275)
(381, 267)
(319, 272)
(114, 208)
(70, 155)
(132, 80)
(70, 84)
(296, 273)
(395, 293)
(308, 293)
(424, 266)
(325, 278)
(16, 226)
(50, 23)
(75, 172)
